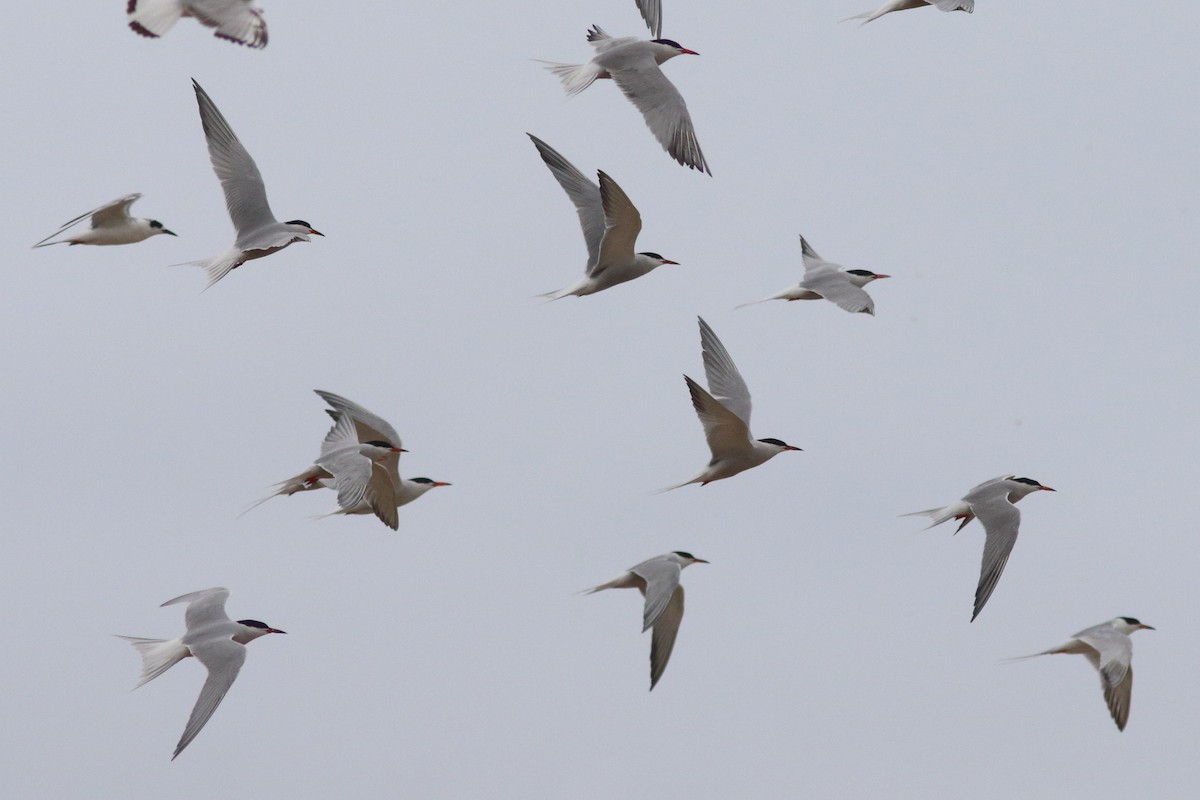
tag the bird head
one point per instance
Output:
(1128, 625)
(861, 277)
(657, 259)
(254, 629)
(687, 559)
(158, 228)
(300, 226)
(780, 446)
(668, 48)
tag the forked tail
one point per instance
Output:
(575, 77)
(158, 655)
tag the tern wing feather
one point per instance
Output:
(582, 191)
(662, 641)
(724, 380)
(622, 224)
(663, 108)
(724, 430)
(223, 658)
(204, 607)
(245, 193)
(369, 426)
(1001, 520)
(662, 578)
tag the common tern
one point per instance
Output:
(214, 639)
(1110, 650)
(110, 224)
(610, 224)
(826, 280)
(993, 502)
(658, 580)
(359, 459)
(903, 5)
(724, 411)
(633, 64)
(235, 20)
(258, 232)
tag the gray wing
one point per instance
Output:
(1000, 520)
(223, 658)
(370, 427)
(1114, 662)
(810, 258)
(652, 13)
(724, 380)
(662, 578)
(832, 284)
(234, 20)
(662, 641)
(604, 41)
(622, 224)
(204, 607)
(107, 214)
(584, 194)
(723, 430)
(245, 194)
(115, 213)
(663, 108)
(953, 5)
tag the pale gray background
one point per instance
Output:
(1027, 173)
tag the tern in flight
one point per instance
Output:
(610, 224)
(110, 224)
(258, 232)
(1110, 650)
(903, 5)
(824, 280)
(993, 502)
(658, 580)
(214, 639)
(633, 64)
(237, 21)
(724, 411)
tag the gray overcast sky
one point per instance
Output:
(1027, 173)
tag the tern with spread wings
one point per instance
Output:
(633, 64)
(238, 21)
(903, 5)
(611, 225)
(824, 280)
(359, 459)
(258, 232)
(214, 639)
(110, 224)
(1110, 650)
(724, 411)
(993, 502)
(658, 580)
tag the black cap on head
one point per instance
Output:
(682, 554)
(298, 222)
(381, 443)
(253, 623)
(1131, 620)
(775, 442)
(155, 223)
(1027, 481)
(652, 255)
(866, 273)
(668, 42)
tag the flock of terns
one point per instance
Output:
(359, 456)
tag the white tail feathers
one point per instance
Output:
(158, 655)
(755, 302)
(154, 17)
(217, 267)
(557, 294)
(575, 77)
(944, 514)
